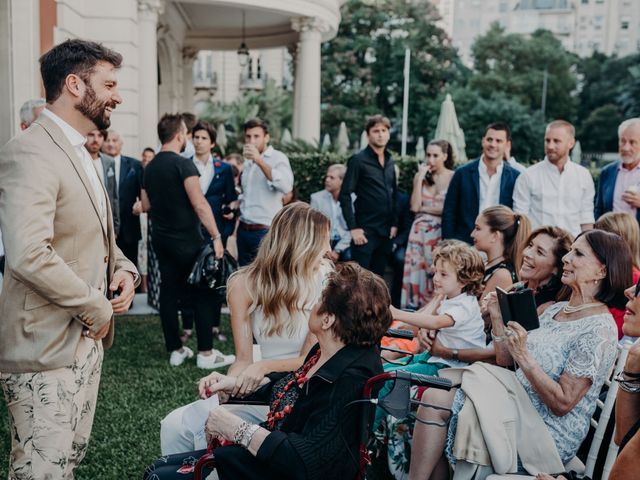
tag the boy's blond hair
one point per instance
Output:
(467, 263)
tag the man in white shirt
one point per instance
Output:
(619, 183)
(556, 191)
(327, 202)
(266, 178)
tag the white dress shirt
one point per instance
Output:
(97, 163)
(626, 180)
(549, 197)
(206, 171)
(116, 165)
(77, 140)
(262, 198)
(489, 185)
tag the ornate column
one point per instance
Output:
(148, 13)
(306, 100)
(188, 57)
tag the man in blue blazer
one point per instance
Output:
(482, 183)
(129, 179)
(216, 180)
(619, 183)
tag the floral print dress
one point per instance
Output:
(426, 232)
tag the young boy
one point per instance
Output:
(454, 311)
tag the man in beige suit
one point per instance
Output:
(63, 269)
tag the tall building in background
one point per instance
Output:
(582, 26)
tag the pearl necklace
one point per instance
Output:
(568, 309)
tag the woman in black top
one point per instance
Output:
(177, 207)
(313, 425)
(501, 235)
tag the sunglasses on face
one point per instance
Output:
(637, 289)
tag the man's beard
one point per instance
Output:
(94, 110)
(184, 146)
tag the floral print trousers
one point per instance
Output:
(51, 414)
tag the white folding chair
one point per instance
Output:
(600, 425)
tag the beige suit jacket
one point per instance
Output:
(57, 252)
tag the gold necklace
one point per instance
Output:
(568, 309)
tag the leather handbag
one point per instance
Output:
(211, 273)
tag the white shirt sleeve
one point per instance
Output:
(522, 194)
(586, 212)
(281, 175)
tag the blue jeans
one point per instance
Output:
(248, 242)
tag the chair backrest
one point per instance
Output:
(600, 425)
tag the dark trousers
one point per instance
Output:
(248, 242)
(233, 463)
(130, 250)
(373, 254)
(397, 263)
(175, 264)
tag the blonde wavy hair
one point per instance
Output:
(626, 226)
(283, 276)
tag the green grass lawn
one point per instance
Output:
(137, 390)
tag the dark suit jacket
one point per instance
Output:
(110, 185)
(462, 203)
(221, 191)
(129, 188)
(405, 219)
(606, 187)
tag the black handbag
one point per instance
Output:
(211, 273)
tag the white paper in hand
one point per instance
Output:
(195, 415)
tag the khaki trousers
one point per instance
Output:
(51, 415)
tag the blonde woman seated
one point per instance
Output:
(270, 301)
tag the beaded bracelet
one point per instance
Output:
(629, 386)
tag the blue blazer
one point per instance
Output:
(462, 203)
(606, 187)
(130, 184)
(221, 191)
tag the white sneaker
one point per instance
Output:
(177, 357)
(215, 360)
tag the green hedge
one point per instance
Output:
(309, 170)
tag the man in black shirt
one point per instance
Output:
(372, 218)
(173, 196)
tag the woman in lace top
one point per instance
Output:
(430, 185)
(561, 365)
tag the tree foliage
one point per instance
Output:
(363, 66)
(514, 65)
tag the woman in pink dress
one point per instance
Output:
(430, 186)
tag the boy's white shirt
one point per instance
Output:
(467, 330)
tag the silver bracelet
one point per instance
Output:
(497, 338)
(241, 430)
(248, 435)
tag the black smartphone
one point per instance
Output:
(518, 306)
